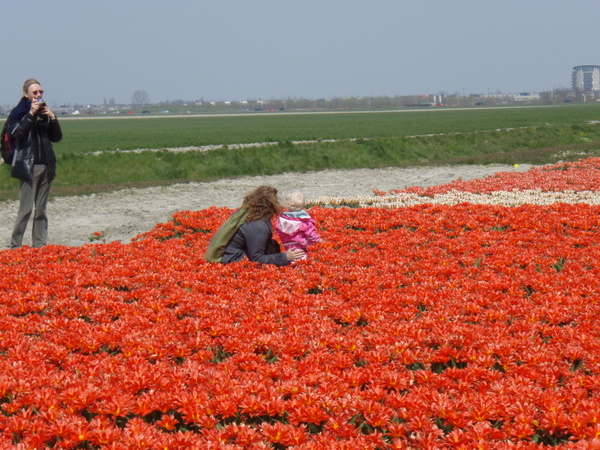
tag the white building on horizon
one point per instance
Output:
(586, 79)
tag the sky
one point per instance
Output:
(89, 52)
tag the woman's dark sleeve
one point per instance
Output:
(19, 128)
(55, 132)
(256, 236)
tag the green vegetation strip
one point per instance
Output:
(90, 160)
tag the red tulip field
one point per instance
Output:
(423, 326)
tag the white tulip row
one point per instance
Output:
(503, 198)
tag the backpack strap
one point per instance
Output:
(219, 241)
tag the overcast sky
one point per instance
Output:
(92, 51)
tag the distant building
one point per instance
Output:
(586, 79)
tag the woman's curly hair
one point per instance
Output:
(262, 203)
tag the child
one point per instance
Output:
(295, 227)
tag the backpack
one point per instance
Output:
(221, 238)
(7, 145)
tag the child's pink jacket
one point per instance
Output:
(296, 229)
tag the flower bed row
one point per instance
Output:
(557, 183)
(430, 326)
(582, 175)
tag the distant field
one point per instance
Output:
(361, 140)
(90, 134)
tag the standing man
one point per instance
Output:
(34, 127)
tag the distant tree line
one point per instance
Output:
(140, 102)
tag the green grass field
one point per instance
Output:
(92, 157)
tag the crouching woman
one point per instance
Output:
(249, 233)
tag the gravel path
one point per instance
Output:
(124, 214)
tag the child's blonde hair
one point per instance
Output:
(295, 201)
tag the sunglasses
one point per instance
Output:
(38, 92)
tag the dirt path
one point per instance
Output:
(122, 215)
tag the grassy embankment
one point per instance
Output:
(93, 156)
